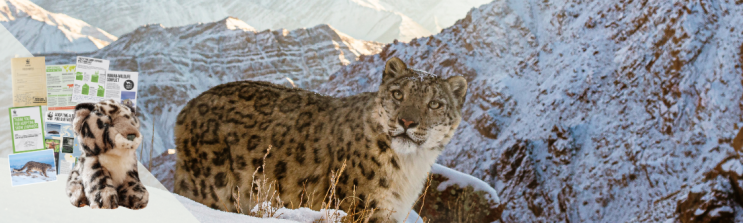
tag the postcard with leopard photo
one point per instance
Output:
(32, 167)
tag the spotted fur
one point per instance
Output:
(34, 166)
(388, 143)
(106, 175)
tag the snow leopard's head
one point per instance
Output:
(420, 110)
(106, 125)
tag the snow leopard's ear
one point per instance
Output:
(458, 87)
(394, 68)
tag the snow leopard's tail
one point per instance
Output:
(22, 168)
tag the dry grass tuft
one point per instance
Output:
(263, 195)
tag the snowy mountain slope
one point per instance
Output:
(433, 15)
(377, 20)
(597, 111)
(43, 31)
(177, 64)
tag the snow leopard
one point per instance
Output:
(106, 175)
(387, 139)
(34, 166)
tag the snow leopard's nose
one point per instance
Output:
(407, 123)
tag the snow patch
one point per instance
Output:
(733, 165)
(304, 215)
(463, 180)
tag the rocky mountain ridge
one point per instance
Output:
(596, 111)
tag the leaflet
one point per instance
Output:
(90, 80)
(121, 86)
(28, 81)
(60, 80)
(65, 163)
(26, 128)
(58, 131)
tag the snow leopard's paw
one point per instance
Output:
(106, 198)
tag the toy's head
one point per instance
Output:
(106, 125)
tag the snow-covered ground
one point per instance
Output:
(32, 178)
(283, 215)
(41, 31)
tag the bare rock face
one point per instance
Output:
(163, 168)
(177, 64)
(598, 111)
(720, 196)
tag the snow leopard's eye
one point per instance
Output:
(397, 94)
(434, 104)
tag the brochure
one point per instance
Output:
(122, 87)
(90, 80)
(60, 80)
(58, 131)
(26, 128)
(66, 162)
(28, 81)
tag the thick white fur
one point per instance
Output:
(120, 160)
(410, 180)
(415, 163)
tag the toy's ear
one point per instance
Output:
(131, 108)
(394, 68)
(82, 110)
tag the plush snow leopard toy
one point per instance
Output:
(106, 174)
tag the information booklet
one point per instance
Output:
(60, 81)
(122, 87)
(26, 128)
(90, 80)
(28, 81)
(58, 134)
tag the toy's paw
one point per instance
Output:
(134, 197)
(107, 198)
(77, 195)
